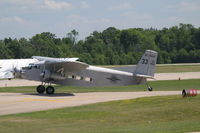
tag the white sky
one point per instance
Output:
(25, 18)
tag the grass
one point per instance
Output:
(177, 68)
(170, 68)
(157, 85)
(169, 114)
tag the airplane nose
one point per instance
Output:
(21, 73)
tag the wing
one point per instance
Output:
(41, 58)
(6, 75)
(67, 66)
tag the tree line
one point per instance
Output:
(177, 44)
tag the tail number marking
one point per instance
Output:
(144, 61)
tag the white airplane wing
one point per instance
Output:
(41, 58)
(6, 75)
(67, 66)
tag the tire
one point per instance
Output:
(50, 90)
(150, 88)
(40, 89)
(184, 94)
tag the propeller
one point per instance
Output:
(16, 71)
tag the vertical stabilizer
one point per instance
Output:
(147, 64)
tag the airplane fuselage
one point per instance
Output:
(91, 76)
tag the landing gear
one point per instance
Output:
(40, 89)
(49, 90)
(149, 87)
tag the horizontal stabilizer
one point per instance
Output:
(145, 76)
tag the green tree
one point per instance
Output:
(73, 35)
(4, 51)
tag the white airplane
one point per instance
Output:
(69, 71)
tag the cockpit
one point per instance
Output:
(31, 65)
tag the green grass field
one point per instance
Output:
(170, 68)
(157, 85)
(177, 68)
(169, 114)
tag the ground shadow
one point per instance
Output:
(52, 95)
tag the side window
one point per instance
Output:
(29, 66)
(69, 76)
(78, 78)
(37, 66)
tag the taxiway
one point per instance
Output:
(12, 103)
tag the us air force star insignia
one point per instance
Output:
(113, 78)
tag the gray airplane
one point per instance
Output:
(75, 73)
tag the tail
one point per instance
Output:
(147, 65)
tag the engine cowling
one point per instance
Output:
(17, 72)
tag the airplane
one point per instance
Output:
(68, 71)
(71, 72)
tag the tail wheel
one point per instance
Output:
(50, 90)
(184, 94)
(150, 88)
(40, 89)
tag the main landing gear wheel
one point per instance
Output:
(50, 90)
(40, 89)
(150, 88)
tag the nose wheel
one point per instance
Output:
(49, 90)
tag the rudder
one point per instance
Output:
(147, 64)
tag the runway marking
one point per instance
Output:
(43, 100)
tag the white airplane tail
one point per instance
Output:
(147, 65)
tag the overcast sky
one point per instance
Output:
(25, 18)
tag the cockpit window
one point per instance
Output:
(37, 66)
(30, 66)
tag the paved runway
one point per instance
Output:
(12, 103)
